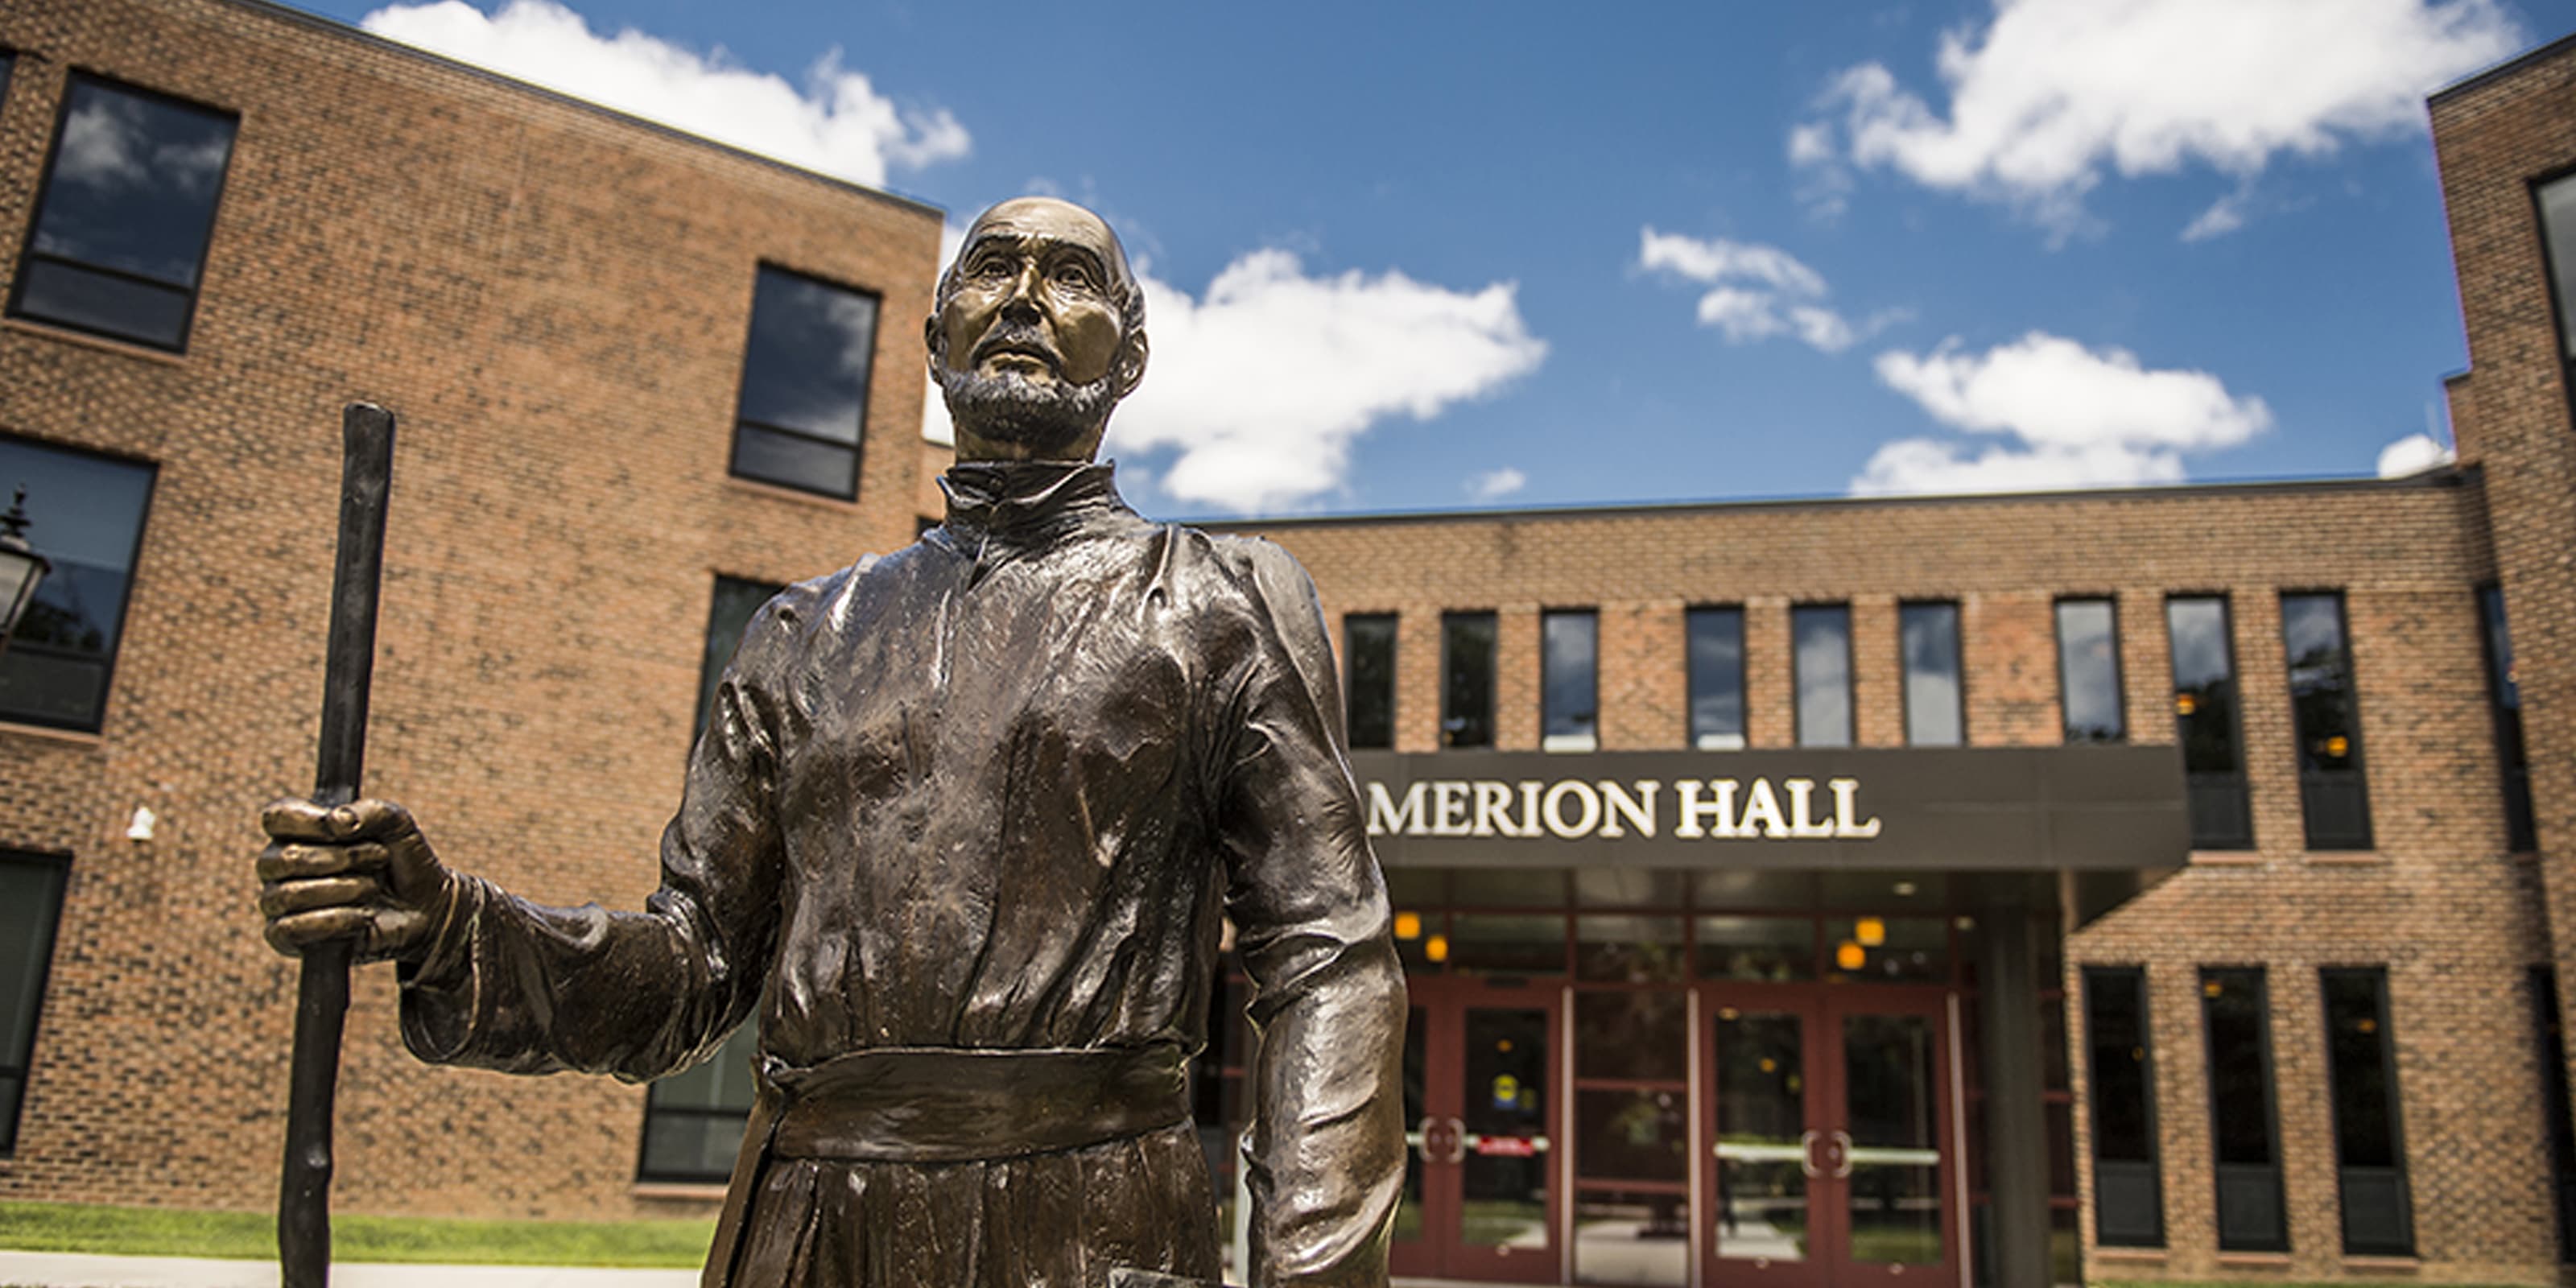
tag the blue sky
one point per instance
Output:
(1416, 257)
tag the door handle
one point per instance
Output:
(1457, 1140)
(1807, 1155)
(1843, 1161)
(1422, 1138)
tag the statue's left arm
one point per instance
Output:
(1326, 1153)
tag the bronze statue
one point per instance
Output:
(961, 830)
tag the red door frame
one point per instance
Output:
(1442, 1144)
(1820, 1009)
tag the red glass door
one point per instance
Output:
(1482, 1107)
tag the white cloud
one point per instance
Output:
(1261, 387)
(2052, 94)
(1494, 485)
(838, 124)
(2412, 454)
(2072, 417)
(1755, 291)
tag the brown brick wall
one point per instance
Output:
(555, 301)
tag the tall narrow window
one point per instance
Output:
(128, 207)
(1715, 639)
(1569, 648)
(805, 384)
(2332, 795)
(1467, 679)
(1369, 642)
(693, 1120)
(2128, 1193)
(85, 513)
(1820, 642)
(2557, 200)
(8, 63)
(2236, 1025)
(2554, 1112)
(2504, 701)
(2213, 760)
(1929, 637)
(2370, 1151)
(31, 901)
(2088, 670)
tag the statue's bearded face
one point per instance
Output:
(1038, 332)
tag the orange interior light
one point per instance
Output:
(1850, 955)
(1870, 931)
(1436, 948)
(1408, 926)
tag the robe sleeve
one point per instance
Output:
(1325, 1153)
(514, 986)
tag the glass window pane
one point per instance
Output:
(1631, 1135)
(2115, 1029)
(791, 461)
(2504, 703)
(806, 366)
(1889, 950)
(2558, 228)
(1497, 944)
(1716, 641)
(133, 183)
(2204, 672)
(7, 62)
(1821, 642)
(2088, 669)
(1770, 949)
(1417, 887)
(31, 898)
(1761, 1147)
(1629, 950)
(85, 514)
(2370, 1156)
(2240, 1071)
(693, 1119)
(1508, 1156)
(1369, 642)
(729, 614)
(1894, 1161)
(1628, 887)
(1930, 638)
(1632, 1237)
(2327, 713)
(1467, 680)
(1632, 1035)
(1569, 694)
(84, 300)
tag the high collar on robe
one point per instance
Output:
(1019, 507)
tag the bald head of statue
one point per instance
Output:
(1037, 332)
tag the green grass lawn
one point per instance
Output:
(172, 1232)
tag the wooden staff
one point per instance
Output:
(322, 992)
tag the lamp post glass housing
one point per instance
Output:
(21, 568)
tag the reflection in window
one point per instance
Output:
(2504, 702)
(1820, 638)
(2204, 681)
(1716, 643)
(2370, 1154)
(119, 239)
(8, 62)
(31, 901)
(2088, 670)
(804, 384)
(729, 614)
(85, 513)
(2128, 1203)
(1569, 648)
(1467, 679)
(2236, 1027)
(2332, 795)
(1930, 637)
(2558, 230)
(1369, 644)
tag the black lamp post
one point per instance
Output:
(20, 567)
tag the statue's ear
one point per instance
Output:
(931, 343)
(1132, 353)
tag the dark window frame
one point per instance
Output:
(2403, 1242)
(857, 447)
(2513, 758)
(27, 251)
(1905, 674)
(1797, 685)
(2238, 783)
(2549, 1043)
(1493, 665)
(2559, 315)
(2271, 1107)
(2095, 978)
(1690, 690)
(1350, 676)
(134, 576)
(2313, 785)
(2119, 668)
(1545, 614)
(12, 1112)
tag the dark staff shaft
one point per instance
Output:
(322, 994)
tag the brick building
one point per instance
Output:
(2168, 883)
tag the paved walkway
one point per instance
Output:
(81, 1270)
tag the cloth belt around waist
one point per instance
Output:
(955, 1105)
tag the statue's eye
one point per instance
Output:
(1074, 273)
(991, 266)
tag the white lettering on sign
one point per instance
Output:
(1725, 809)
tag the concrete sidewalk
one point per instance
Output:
(83, 1270)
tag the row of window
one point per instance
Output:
(2208, 726)
(2236, 1028)
(125, 218)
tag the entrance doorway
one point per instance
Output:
(1830, 1116)
(1481, 1102)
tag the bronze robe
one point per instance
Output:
(995, 791)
